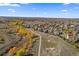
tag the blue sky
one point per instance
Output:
(62, 10)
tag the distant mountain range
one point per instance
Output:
(34, 18)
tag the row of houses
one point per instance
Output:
(68, 31)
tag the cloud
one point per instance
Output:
(33, 8)
(12, 10)
(10, 4)
(64, 10)
(66, 3)
(76, 7)
(24, 3)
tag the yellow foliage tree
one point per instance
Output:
(20, 52)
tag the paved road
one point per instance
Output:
(39, 50)
(39, 45)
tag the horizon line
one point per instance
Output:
(41, 17)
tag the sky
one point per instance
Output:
(51, 10)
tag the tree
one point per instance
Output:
(12, 51)
(20, 52)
